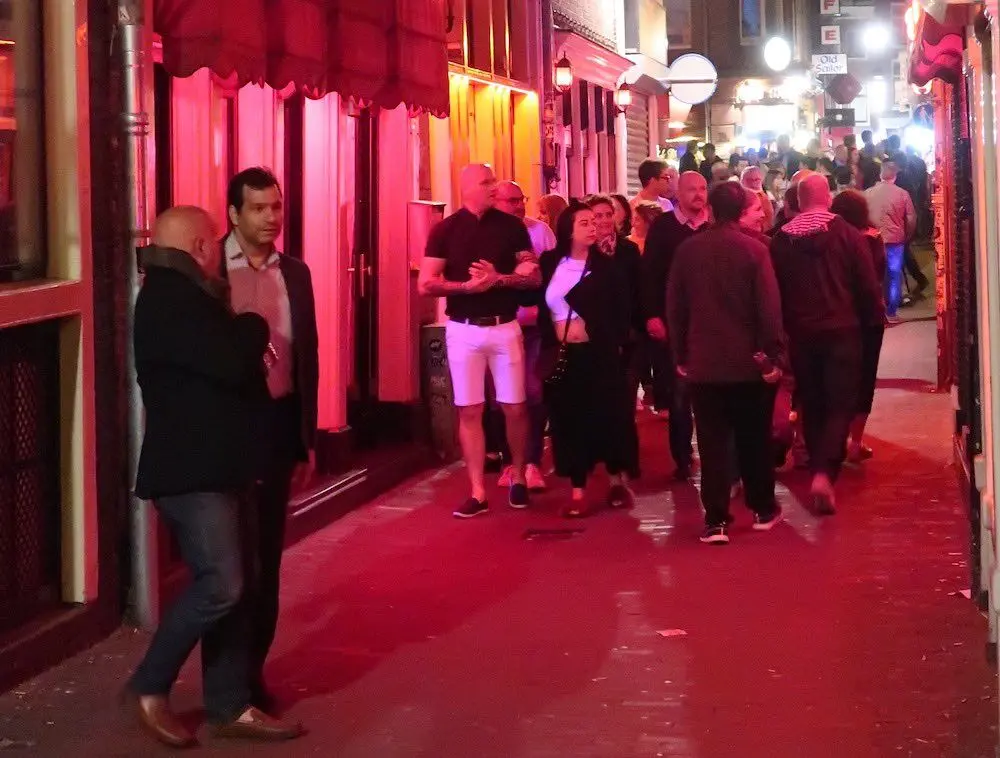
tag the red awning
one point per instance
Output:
(937, 52)
(383, 52)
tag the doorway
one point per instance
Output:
(362, 394)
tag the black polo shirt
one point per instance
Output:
(461, 240)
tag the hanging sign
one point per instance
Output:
(693, 79)
(829, 64)
(829, 35)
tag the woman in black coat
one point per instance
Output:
(584, 316)
(852, 206)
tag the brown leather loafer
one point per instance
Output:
(155, 717)
(257, 725)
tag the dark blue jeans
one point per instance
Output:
(207, 528)
(894, 258)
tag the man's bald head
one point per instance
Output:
(814, 193)
(510, 198)
(799, 176)
(190, 229)
(478, 185)
(692, 193)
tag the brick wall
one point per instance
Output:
(594, 19)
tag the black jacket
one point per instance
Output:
(201, 372)
(723, 306)
(665, 236)
(827, 279)
(628, 258)
(305, 343)
(601, 299)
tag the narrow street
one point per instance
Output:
(406, 633)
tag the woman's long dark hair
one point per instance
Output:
(564, 227)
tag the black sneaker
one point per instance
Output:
(519, 497)
(715, 535)
(767, 523)
(823, 504)
(472, 508)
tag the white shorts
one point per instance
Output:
(471, 349)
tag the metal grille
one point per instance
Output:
(637, 120)
(29, 471)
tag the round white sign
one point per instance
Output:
(693, 79)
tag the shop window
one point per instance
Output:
(490, 36)
(751, 20)
(678, 24)
(22, 243)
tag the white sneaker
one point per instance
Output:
(535, 479)
(507, 477)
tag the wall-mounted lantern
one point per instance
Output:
(564, 74)
(623, 97)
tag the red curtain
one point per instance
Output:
(382, 52)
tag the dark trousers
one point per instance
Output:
(593, 419)
(207, 528)
(913, 268)
(667, 385)
(266, 515)
(728, 415)
(267, 509)
(827, 378)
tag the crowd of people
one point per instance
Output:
(739, 309)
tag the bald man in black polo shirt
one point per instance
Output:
(479, 258)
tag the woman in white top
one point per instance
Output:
(584, 317)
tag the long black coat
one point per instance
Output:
(201, 372)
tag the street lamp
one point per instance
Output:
(777, 54)
(876, 37)
(623, 97)
(564, 74)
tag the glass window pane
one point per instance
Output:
(22, 243)
(751, 19)
(678, 23)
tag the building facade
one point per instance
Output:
(951, 58)
(63, 507)
(752, 104)
(346, 129)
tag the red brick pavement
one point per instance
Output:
(408, 634)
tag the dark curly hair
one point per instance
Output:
(852, 206)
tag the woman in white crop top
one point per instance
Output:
(585, 304)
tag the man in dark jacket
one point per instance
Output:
(202, 374)
(828, 290)
(725, 326)
(690, 217)
(279, 288)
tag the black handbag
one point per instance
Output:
(552, 365)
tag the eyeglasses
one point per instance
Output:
(515, 200)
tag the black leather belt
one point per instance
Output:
(485, 320)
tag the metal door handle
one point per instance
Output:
(363, 275)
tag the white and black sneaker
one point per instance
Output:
(472, 508)
(767, 523)
(715, 535)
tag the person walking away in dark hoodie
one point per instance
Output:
(828, 291)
